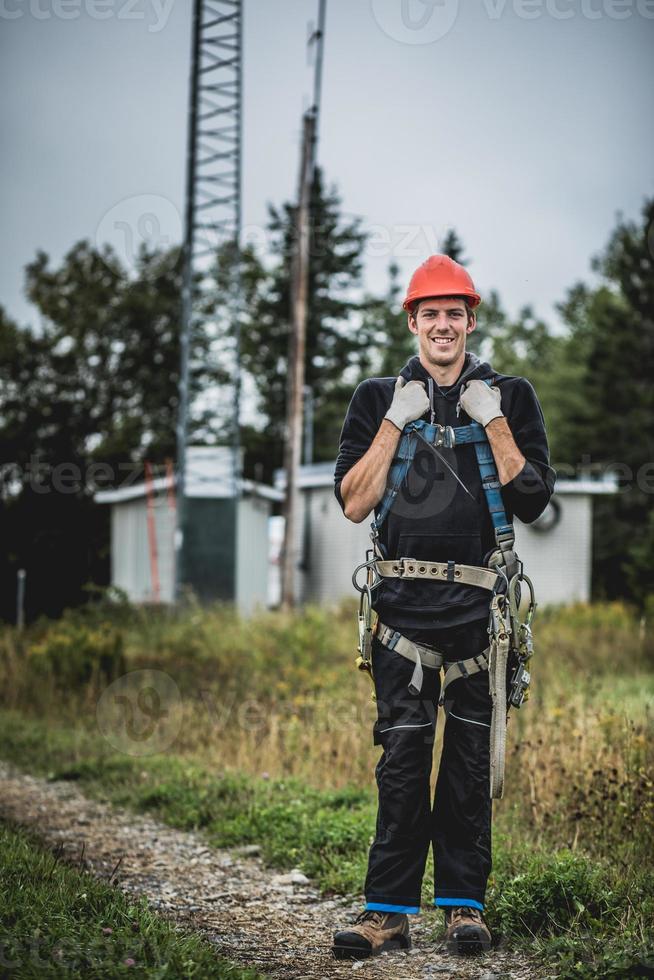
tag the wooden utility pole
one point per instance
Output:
(297, 339)
(297, 346)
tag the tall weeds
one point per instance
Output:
(279, 695)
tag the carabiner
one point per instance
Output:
(515, 603)
(371, 566)
(365, 626)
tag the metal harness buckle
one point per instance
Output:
(444, 436)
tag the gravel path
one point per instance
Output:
(252, 915)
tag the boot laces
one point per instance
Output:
(370, 915)
(465, 912)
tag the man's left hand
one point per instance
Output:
(481, 402)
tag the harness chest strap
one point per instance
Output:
(434, 434)
(424, 656)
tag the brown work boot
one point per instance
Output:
(467, 932)
(372, 933)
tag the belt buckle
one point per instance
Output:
(400, 566)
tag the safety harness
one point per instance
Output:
(511, 608)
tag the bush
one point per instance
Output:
(553, 897)
(580, 915)
(73, 653)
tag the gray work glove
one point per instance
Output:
(410, 402)
(481, 402)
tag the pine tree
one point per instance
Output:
(385, 324)
(453, 246)
(615, 431)
(337, 345)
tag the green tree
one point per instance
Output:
(338, 351)
(110, 366)
(553, 363)
(453, 246)
(385, 323)
(95, 384)
(614, 432)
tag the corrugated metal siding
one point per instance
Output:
(210, 541)
(252, 554)
(130, 554)
(130, 563)
(337, 546)
(557, 561)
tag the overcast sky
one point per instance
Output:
(524, 124)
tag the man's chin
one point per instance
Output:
(444, 359)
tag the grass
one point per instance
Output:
(326, 832)
(578, 914)
(585, 916)
(58, 921)
(264, 735)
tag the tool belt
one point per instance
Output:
(450, 571)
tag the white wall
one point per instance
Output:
(557, 561)
(252, 554)
(130, 565)
(130, 554)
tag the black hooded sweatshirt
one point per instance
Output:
(434, 517)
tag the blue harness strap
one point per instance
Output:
(438, 435)
(397, 473)
(491, 485)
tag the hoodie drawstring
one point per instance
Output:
(430, 385)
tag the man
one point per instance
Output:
(440, 514)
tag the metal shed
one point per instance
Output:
(556, 549)
(227, 538)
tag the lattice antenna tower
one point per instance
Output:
(212, 220)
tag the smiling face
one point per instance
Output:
(441, 326)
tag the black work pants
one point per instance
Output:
(459, 824)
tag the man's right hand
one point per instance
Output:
(410, 402)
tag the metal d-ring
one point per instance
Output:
(514, 602)
(369, 586)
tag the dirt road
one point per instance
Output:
(252, 915)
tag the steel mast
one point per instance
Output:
(212, 219)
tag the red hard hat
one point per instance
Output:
(440, 275)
